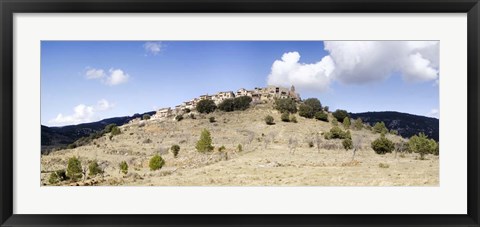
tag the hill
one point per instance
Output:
(57, 137)
(407, 125)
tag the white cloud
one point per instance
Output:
(434, 113)
(359, 62)
(290, 71)
(82, 114)
(152, 48)
(94, 73)
(103, 105)
(117, 76)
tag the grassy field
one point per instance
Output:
(272, 155)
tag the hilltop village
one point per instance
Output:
(258, 95)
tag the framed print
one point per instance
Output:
(231, 113)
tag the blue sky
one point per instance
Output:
(84, 81)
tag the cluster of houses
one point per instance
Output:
(257, 94)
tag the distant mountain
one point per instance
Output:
(53, 137)
(407, 125)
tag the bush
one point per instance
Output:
(325, 108)
(175, 149)
(337, 133)
(115, 131)
(204, 144)
(123, 167)
(71, 146)
(358, 125)
(206, 106)
(109, 128)
(192, 116)
(227, 105)
(382, 145)
(57, 176)
(269, 120)
(346, 123)
(383, 165)
(147, 140)
(179, 117)
(293, 119)
(222, 148)
(74, 168)
(314, 103)
(286, 105)
(321, 116)
(422, 145)
(393, 132)
(285, 117)
(156, 162)
(379, 127)
(310, 144)
(242, 102)
(340, 115)
(239, 148)
(335, 122)
(211, 119)
(347, 144)
(146, 117)
(306, 111)
(94, 168)
(187, 110)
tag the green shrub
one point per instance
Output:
(175, 149)
(206, 106)
(211, 119)
(239, 148)
(146, 117)
(340, 115)
(321, 116)
(306, 111)
(115, 131)
(293, 119)
(393, 132)
(379, 127)
(269, 120)
(179, 117)
(242, 102)
(346, 123)
(286, 105)
(94, 168)
(285, 117)
(109, 128)
(358, 124)
(123, 167)
(156, 162)
(71, 146)
(222, 148)
(335, 122)
(314, 103)
(204, 144)
(422, 145)
(383, 165)
(325, 108)
(382, 145)
(227, 105)
(347, 144)
(337, 133)
(74, 168)
(57, 176)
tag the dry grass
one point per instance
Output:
(273, 155)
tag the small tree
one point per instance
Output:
(109, 127)
(285, 117)
(325, 108)
(175, 149)
(227, 105)
(383, 145)
(340, 115)
(306, 111)
(123, 167)
(211, 119)
(379, 127)
(146, 117)
(94, 168)
(347, 144)
(314, 103)
(269, 120)
(358, 125)
(242, 102)
(206, 106)
(286, 105)
(204, 144)
(156, 162)
(321, 116)
(346, 123)
(422, 145)
(74, 168)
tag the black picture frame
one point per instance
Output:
(9, 7)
